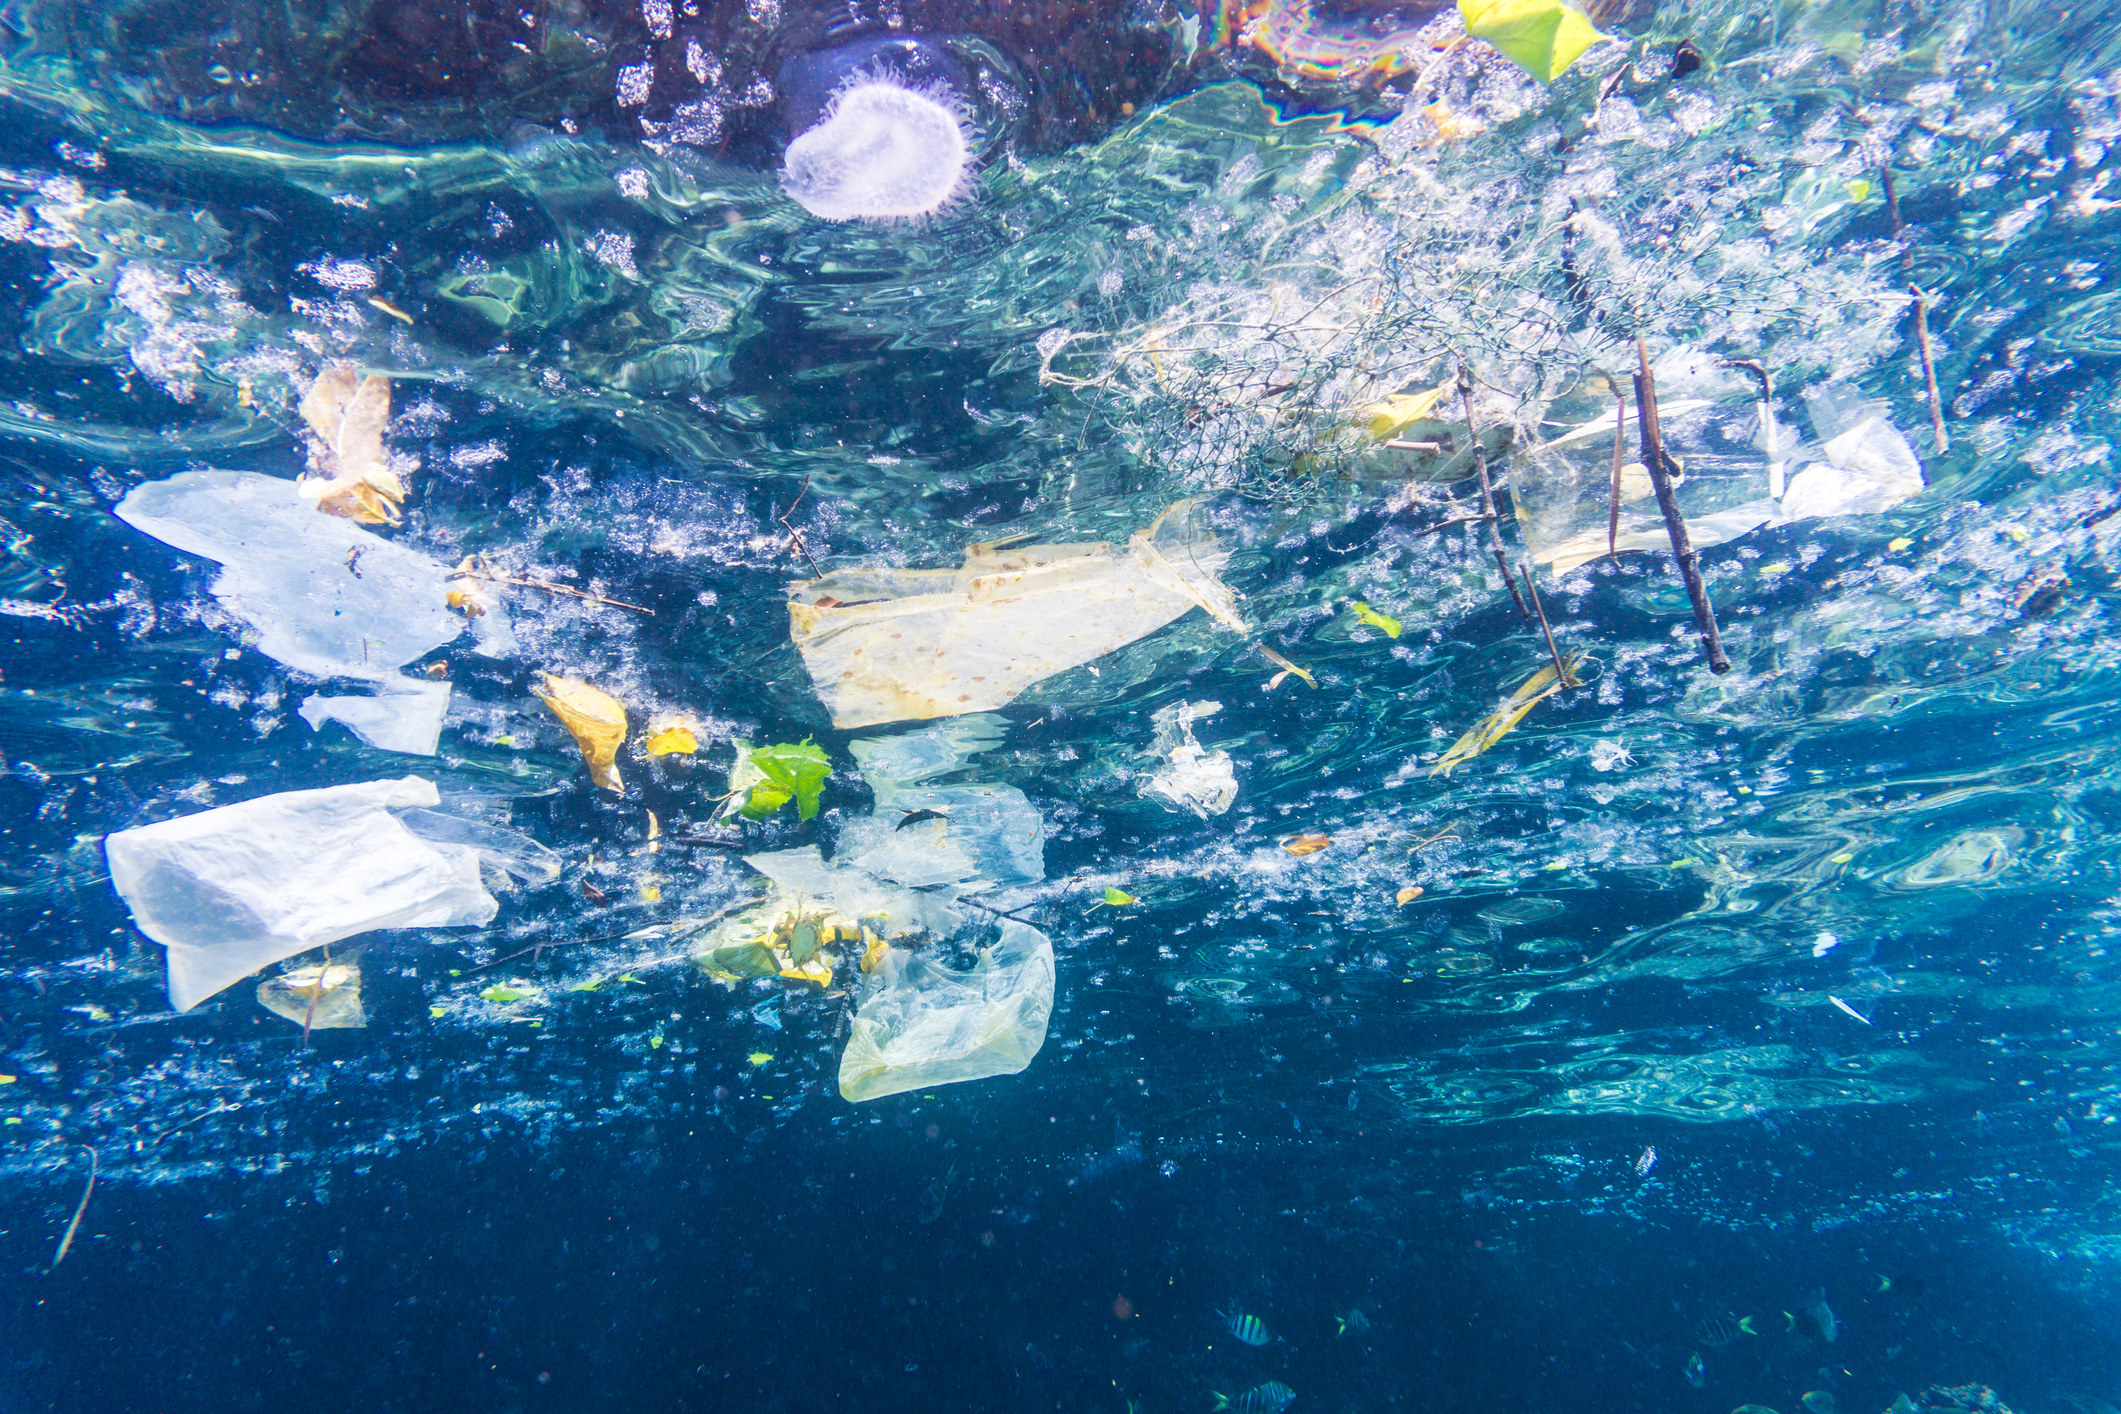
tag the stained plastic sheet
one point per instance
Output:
(324, 595)
(893, 645)
(926, 1024)
(231, 890)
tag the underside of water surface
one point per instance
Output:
(775, 706)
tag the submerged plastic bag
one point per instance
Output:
(322, 998)
(926, 1024)
(893, 645)
(232, 890)
(1191, 778)
(406, 716)
(922, 834)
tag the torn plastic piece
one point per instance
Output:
(1867, 465)
(405, 716)
(1196, 780)
(324, 595)
(231, 890)
(893, 645)
(976, 834)
(326, 998)
(350, 473)
(854, 893)
(502, 852)
(925, 1024)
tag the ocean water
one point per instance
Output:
(1494, 1059)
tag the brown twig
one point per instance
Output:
(1767, 419)
(1620, 452)
(1487, 490)
(475, 567)
(1561, 669)
(795, 537)
(1942, 442)
(67, 1242)
(1661, 466)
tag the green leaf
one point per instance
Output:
(1543, 37)
(800, 771)
(1119, 898)
(504, 995)
(765, 800)
(1374, 619)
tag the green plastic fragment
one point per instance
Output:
(1542, 37)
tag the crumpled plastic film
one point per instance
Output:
(926, 1024)
(978, 834)
(406, 716)
(321, 998)
(231, 890)
(1191, 778)
(893, 645)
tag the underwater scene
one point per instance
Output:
(1111, 706)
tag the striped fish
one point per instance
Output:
(1269, 1398)
(1249, 1329)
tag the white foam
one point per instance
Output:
(883, 152)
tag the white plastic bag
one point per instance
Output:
(986, 834)
(232, 890)
(893, 645)
(928, 1025)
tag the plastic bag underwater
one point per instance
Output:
(926, 1024)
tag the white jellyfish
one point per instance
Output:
(883, 151)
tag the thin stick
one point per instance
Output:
(1487, 491)
(1660, 467)
(1561, 670)
(1942, 443)
(73, 1227)
(795, 537)
(316, 989)
(475, 567)
(1620, 452)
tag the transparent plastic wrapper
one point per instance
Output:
(893, 645)
(406, 716)
(231, 890)
(1864, 465)
(922, 834)
(324, 595)
(326, 997)
(1191, 778)
(926, 1024)
(505, 853)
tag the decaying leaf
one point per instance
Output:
(1286, 667)
(1407, 895)
(1310, 842)
(672, 741)
(1119, 898)
(1543, 37)
(595, 719)
(1499, 723)
(349, 472)
(1385, 622)
(1388, 417)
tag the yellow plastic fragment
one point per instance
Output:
(595, 719)
(817, 970)
(1499, 723)
(873, 955)
(1542, 37)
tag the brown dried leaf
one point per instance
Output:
(350, 474)
(1310, 842)
(1407, 895)
(595, 719)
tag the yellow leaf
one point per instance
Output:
(1374, 619)
(650, 893)
(350, 474)
(655, 1043)
(7, 1079)
(759, 1057)
(434, 1011)
(595, 718)
(672, 741)
(1407, 895)
(1898, 544)
(1542, 37)
(1391, 416)
(1499, 723)
(1310, 842)
(1859, 190)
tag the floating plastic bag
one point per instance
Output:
(1191, 779)
(326, 998)
(1865, 465)
(926, 1024)
(324, 595)
(920, 834)
(406, 716)
(892, 645)
(232, 890)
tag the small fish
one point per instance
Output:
(1697, 1371)
(915, 817)
(1354, 1321)
(1850, 1010)
(1721, 1328)
(1647, 1161)
(1269, 1398)
(1815, 1319)
(1249, 1329)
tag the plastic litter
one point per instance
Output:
(231, 890)
(925, 1024)
(406, 716)
(1192, 779)
(325, 596)
(1865, 465)
(975, 834)
(316, 998)
(892, 645)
